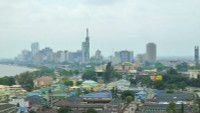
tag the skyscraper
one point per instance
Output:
(151, 52)
(34, 48)
(86, 49)
(196, 54)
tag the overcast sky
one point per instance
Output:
(174, 25)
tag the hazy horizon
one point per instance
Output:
(114, 25)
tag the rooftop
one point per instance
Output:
(98, 95)
(44, 78)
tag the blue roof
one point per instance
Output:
(100, 89)
(22, 108)
(32, 94)
(98, 95)
(141, 93)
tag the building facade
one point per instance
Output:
(86, 49)
(34, 48)
(151, 52)
(140, 58)
(196, 54)
(125, 56)
(43, 81)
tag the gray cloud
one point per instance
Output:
(116, 24)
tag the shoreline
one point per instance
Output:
(13, 70)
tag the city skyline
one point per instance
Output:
(114, 25)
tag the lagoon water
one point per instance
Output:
(12, 70)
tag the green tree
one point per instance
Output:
(129, 99)
(171, 71)
(139, 69)
(76, 72)
(65, 79)
(108, 72)
(79, 92)
(25, 80)
(171, 86)
(32, 111)
(159, 85)
(28, 87)
(64, 72)
(64, 110)
(89, 74)
(182, 107)
(171, 107)
(78, 83)
(114, 92)
(69, 83)
(115, 74)
(90, 110)
(86, 92)
(182, 85)
(198, 103)
(133, 81)
(127, 93)
(182, 67)
(7, 80)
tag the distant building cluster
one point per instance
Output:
(150, 55)
(48, 56)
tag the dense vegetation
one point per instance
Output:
(7, 80)
(171, 80)
(109, 74)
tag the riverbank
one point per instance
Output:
(12, 70)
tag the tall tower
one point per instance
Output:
(34, 48)
(151, 52)
(196, 54)
(86, 48)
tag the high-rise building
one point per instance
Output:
(196, 54)
(35, 48)
(97, 58)
(125, 56)
(140, 58)
(151, 52)
(86, 49)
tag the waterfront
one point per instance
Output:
(12, 70)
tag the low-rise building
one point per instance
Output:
(73, 100)
(98, 97)
(193, 73)
(43, 81)
(7, 108)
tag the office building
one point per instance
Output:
(140, 58)
(86, 49)
(97, 58)
(125, 56)
(75, 57)
(35, 48)
(151, 52)
(196, 54)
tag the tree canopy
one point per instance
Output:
(126, 94)
(90, 110)
(89, 74)
(64, 110)
(171, 107)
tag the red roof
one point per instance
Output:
(44, 78)
(75, 79)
